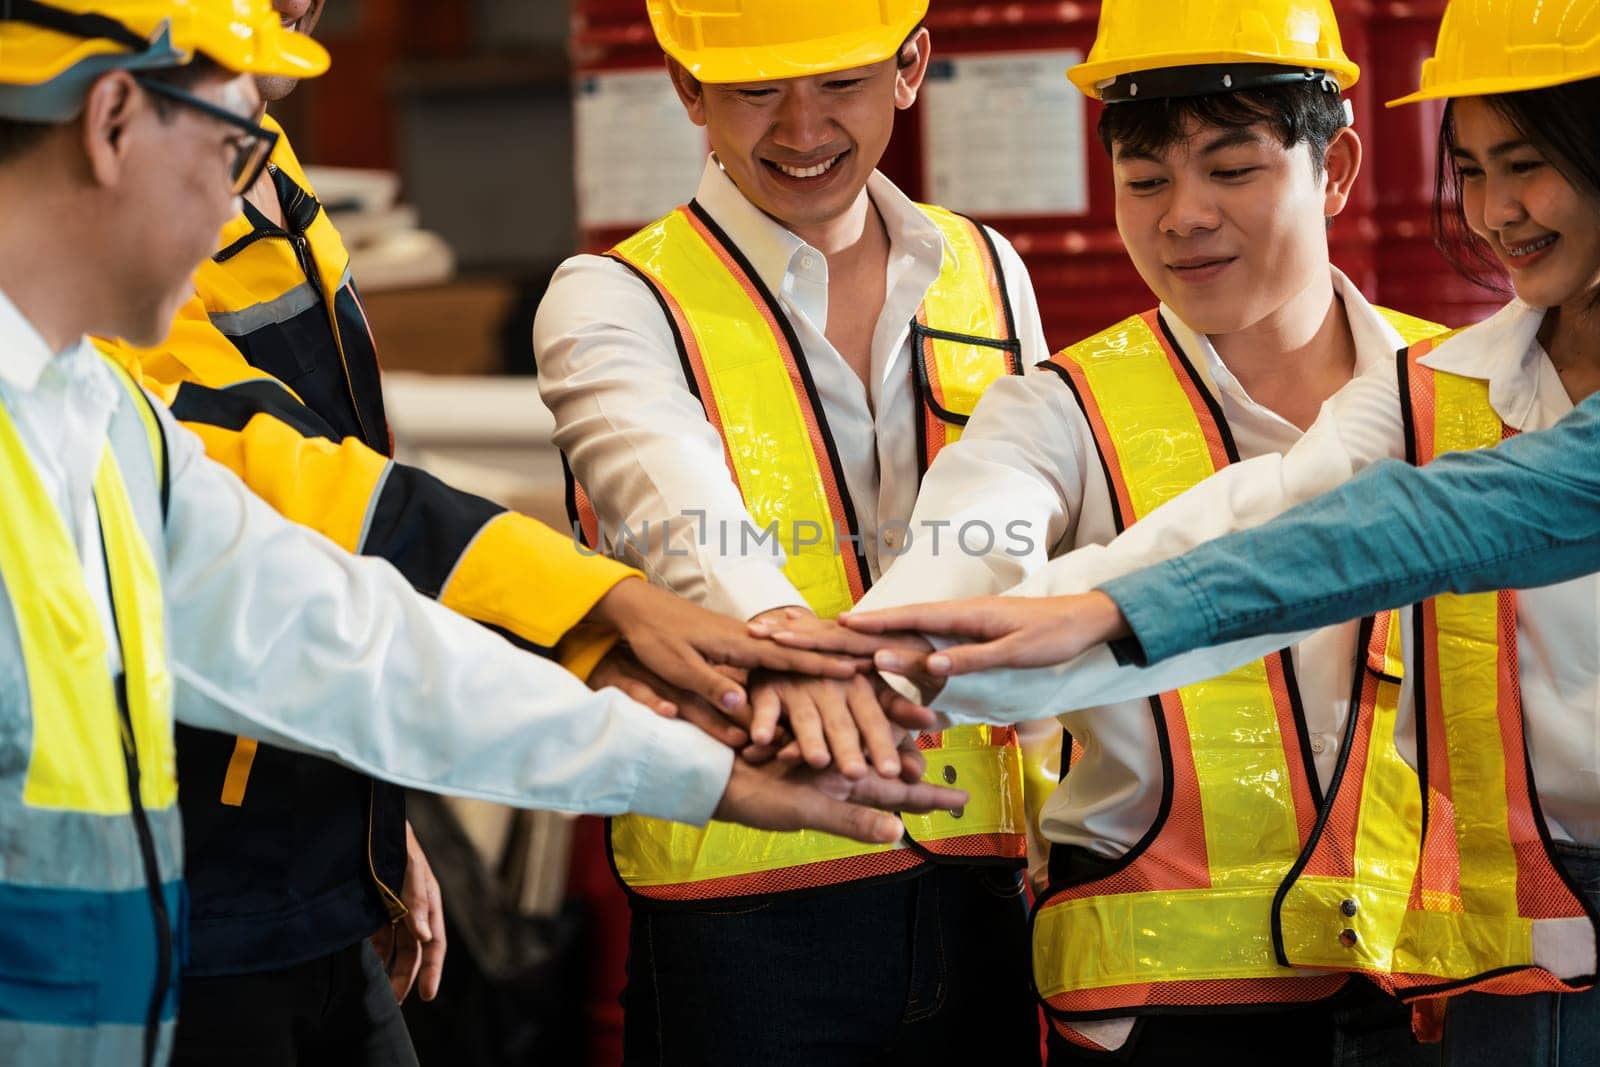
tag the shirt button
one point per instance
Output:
(806, 262)
(1318, 745)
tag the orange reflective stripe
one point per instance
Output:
(238, 776)
(779, 880)
(935, 431)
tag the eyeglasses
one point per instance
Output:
(252, 147)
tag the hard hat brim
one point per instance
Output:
(1089, 76)
(286, 54)
(726, 66)
(1489, 87)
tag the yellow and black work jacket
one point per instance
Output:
(742, 360)
(1184, 920)
(273, 365)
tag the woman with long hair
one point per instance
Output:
(1519, 201)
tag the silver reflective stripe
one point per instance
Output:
(80, 1046)
(372, 509)
(248, 320)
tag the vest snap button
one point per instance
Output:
(956, 813)
(1349, 908)
(949, 774)
(1348, 938)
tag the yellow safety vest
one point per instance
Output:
(93, 869)
(743, 361)
(1487, 907)
(1185, 918)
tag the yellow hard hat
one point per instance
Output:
(50, 50)
(1507, 46)
(722, 41)
(1197, 47)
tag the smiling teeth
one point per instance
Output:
(1531, 247)
(808, 172)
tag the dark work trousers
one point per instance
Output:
(927, 970)
(335, 1011)
(1548, 1029)
(1359, 1027)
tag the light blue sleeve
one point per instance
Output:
(1521, 515)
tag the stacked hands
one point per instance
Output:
(824, 741)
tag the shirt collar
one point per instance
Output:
(1376, 340)
(773, 250)
(1504, 351)
(24, 355)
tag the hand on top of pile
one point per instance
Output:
(691, 648)
(997, 631)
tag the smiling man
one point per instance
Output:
(1232, 149)
(764, 375)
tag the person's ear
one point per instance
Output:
(113, 103)
(690, 91)
(1341, 165)
(909, 76)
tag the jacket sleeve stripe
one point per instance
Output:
(235, 406)
(513, 555)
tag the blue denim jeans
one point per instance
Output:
(930, 970)
(1548, 1029)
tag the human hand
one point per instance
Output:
(622, 670)
(833, 719)
(779, 796)
(412, 948)
(1005, 631)
(684, 644)
(795, 628)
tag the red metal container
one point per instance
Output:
(1353, 240)
(638, 155)
(1008, 139)
(1412, 275)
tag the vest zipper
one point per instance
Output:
(152, 870)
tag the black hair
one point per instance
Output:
(1301, 113)
(901, 60)
(18, 136)
(1559, 121)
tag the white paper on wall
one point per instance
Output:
(1003, 134)
(638, 155)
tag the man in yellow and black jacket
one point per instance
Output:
(293, 861)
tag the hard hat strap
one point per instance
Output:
(73, 24)
(1209, 79)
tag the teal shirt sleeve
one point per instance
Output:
(1519, 516)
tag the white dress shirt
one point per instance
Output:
(1027, 464)
(1558, 627)
(276, 633)
(639, 441)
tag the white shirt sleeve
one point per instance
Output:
(1358, 426)
(994, 504)
(640, 445)
(277, 634)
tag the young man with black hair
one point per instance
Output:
(1179, 817)
(744, 384)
